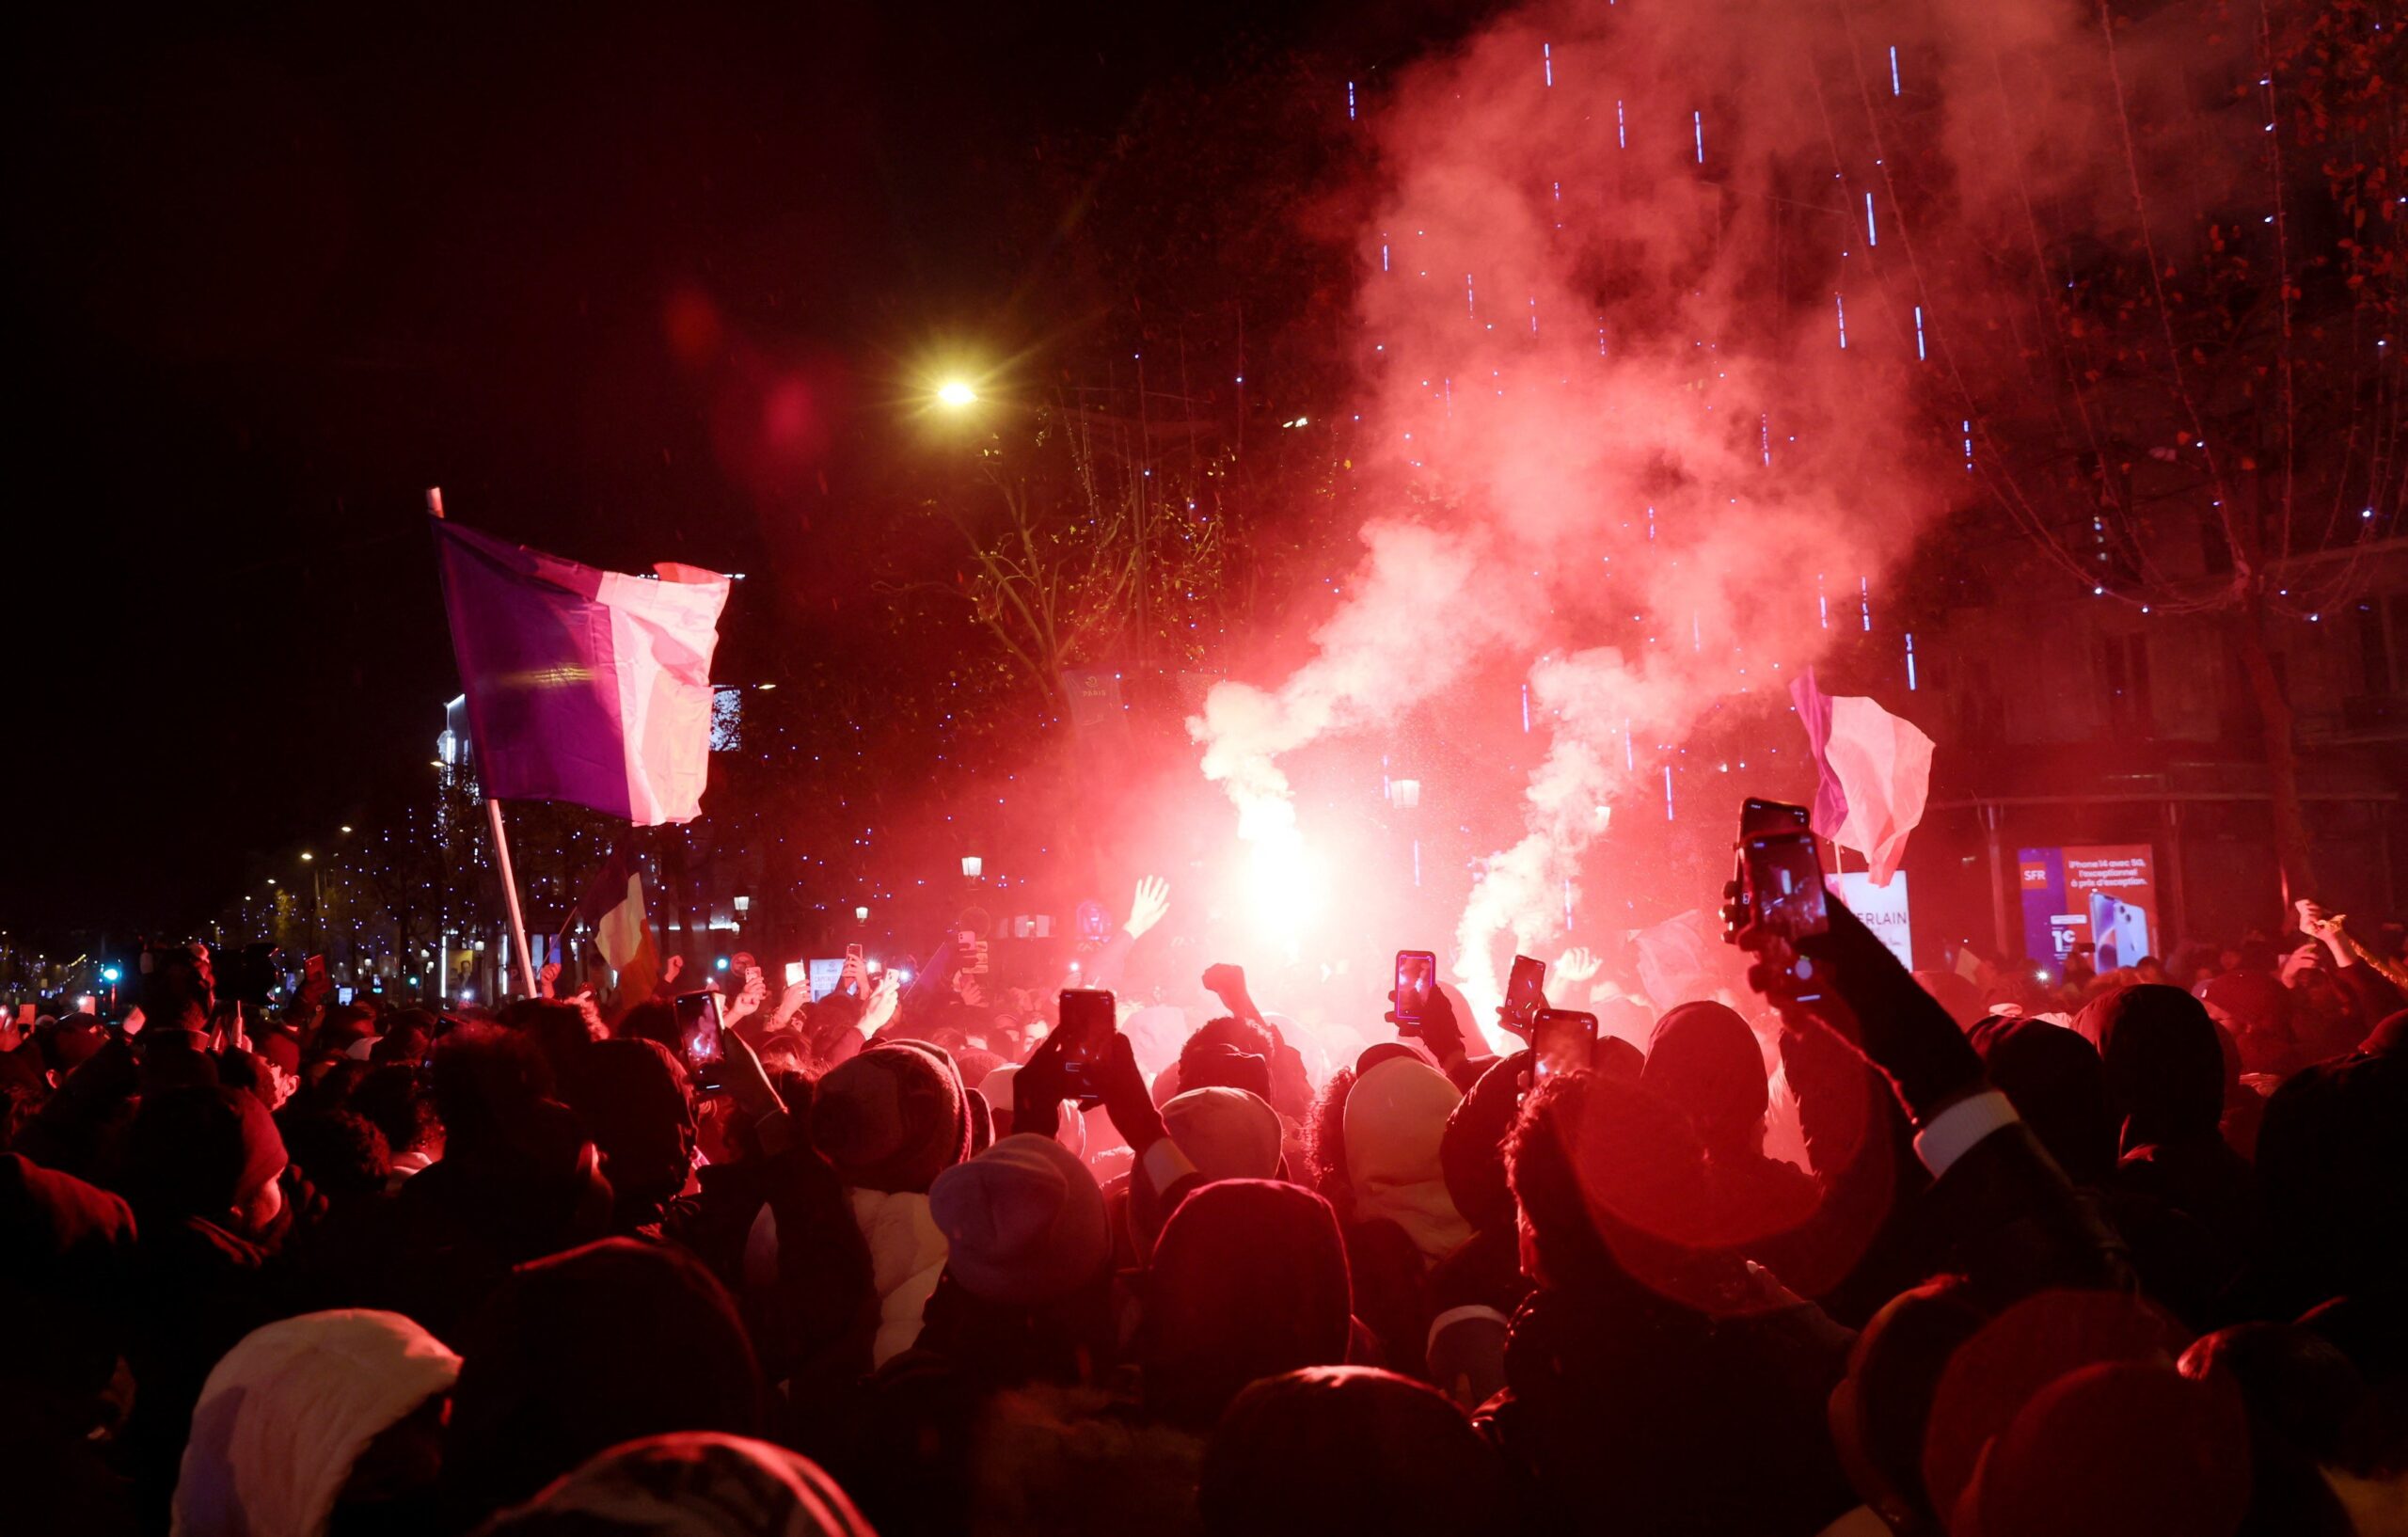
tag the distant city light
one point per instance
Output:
(954, 393)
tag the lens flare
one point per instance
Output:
(957, 394)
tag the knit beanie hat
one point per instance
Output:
(892, 1118)
(1703, 1058)
(1228, 1134)
(287, 1412)
(1023, 1222)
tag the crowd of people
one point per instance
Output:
(1853, 1250)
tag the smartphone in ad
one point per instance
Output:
(1089, 1020)
(1561, 1041)
(698, 1039)
(1524, 995)
(1416, 978)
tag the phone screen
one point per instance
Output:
(852, 952)
(825, 974)
(1417, 977)
(698, 1036)
(1561, 1041)
(1087, 1022)
(796, 971)
(1524, 994)
(1785, 890)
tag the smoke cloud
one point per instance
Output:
(1649, 394)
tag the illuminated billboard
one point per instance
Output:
(2099, 895)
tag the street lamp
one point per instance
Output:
(973, 866)
(1404, 793)
(861, 915)
(956, 393)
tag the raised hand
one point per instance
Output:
(1577, 965)
(1148, 907)
(883, 1000)
(547, 979)
(670, 969)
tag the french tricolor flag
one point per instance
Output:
(585, 685)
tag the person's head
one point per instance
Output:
(396, 1099)
(2164, 1065)
(560, 1028)
(632, 1100)
(1228, 1134)
(325, 1421)
(2116, 1448)
(406, 1042)
(892, 1118)
(692, 1482)
(1395, 1124)
(485, 1079)
(583, 1350)
(2305, 1401)
(341, 1154)
(1249, 1279)
(2013, 1359)
(1612, 1185)
(2053, 1078)
(1338, 1449)
(1881, 1410)
(1023, 1223)
(210, 1152)
(649, 1021)
(1703, 1058)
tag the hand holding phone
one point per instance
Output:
(1524, 995)
(700, 1046)
(1777, 890)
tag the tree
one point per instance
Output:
(2218, 390)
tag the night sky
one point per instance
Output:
(270, 283)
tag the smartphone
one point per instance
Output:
(313, 968)
(873, 965)
(1088, 1022)
(853, 953)
(1523, 996)
(344, 995)
(796, 971)
(1779, 884)
(698, 1039)
(1417, 977)
(1561, 1041)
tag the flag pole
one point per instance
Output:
(500, 840)
(510, 892)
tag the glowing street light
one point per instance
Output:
(861, 915)
(307, 857)
(955, 393)
(973, 866)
